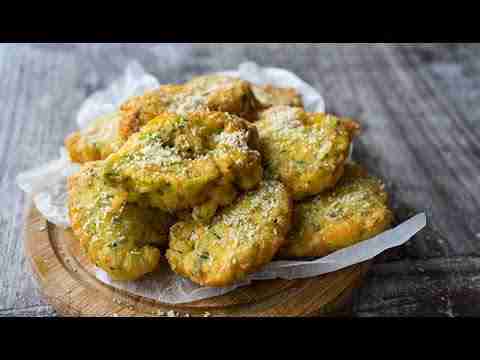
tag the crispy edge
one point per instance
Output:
(343, 234)
(74, 182)
(294, 98)
(237, 272)
(79, 150)
(301, 190)
(245, 178)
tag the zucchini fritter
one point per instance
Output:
(119, 237)
(306, 151)
(209, 92)
(269, 96)
(355, 210)
(238, 241)
(226, 94)
(195, 161)
(97, 141)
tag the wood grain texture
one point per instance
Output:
(67, 281)
(418, 105)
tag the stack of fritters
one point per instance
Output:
(221, 176)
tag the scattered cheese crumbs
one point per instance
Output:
(237, 139)
(184, 103)
(170, 313)
(119, 302)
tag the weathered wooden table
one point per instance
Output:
(418, 104)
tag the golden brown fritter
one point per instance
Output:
(226, 94)
(97, 141)
(195, 161)
(269, 96)
(209, 92)
(239, 240)
(306, 151)
(139, 110)
(119, 237)
(355, 210)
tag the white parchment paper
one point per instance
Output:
(46, 185)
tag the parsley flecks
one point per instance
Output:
(150, 137)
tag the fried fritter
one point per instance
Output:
(209, 92)
(269, 96)
(239, 240)
(226, 94)
(306, 151)
(355, 210)
(97, 141)
(139, 110)
(195, 161)
(119, 237)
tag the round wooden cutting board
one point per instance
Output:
(67, 280)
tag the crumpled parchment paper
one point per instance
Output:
(47, 187)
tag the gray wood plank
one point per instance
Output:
(422, 288)
(32, 311)
(418, 106)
